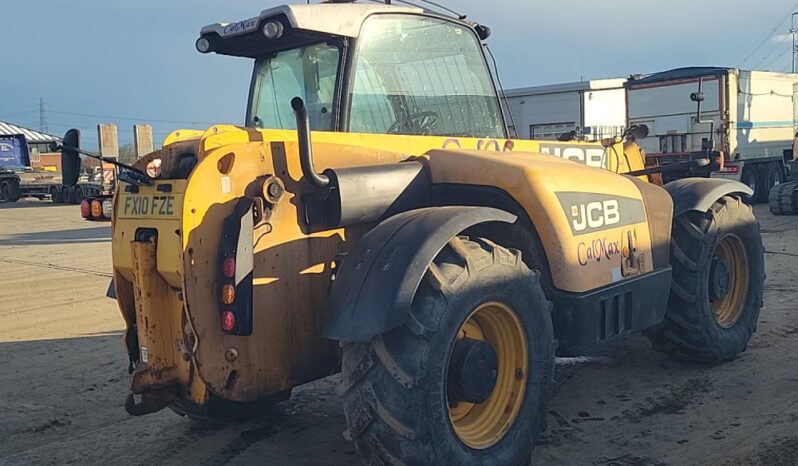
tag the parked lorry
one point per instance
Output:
(437, 264)
(783, 199)
(18, 179)
(752, 116)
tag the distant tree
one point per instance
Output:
(127, 153)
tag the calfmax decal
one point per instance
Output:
(591, 212)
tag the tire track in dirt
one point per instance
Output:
(57, 267)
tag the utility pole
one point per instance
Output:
(43, 117)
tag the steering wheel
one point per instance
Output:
(422, 123)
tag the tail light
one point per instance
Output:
(228, 294)
(108, 208)
(96, 208)
(229, 267)
(729, 169)
(228, 321)
(85, 208)
(234, 277)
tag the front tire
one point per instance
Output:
(402, 397)
(10, 192)
(718, 278)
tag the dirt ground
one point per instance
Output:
(63, 378)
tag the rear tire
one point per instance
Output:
(394, 389)
(718, 278)
(750, 178)
(77, 194)
(771, 176)
(56, 195)
(783, 199)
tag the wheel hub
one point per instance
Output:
(719, 279)
(473, 369)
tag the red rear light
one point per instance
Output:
(729, 169)
(229, 267)
(85, 208)
(228, 321)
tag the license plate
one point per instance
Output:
(149, 205)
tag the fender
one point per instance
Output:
(700, 193)
(376, 282)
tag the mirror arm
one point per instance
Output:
(670, 167)
(140, 177)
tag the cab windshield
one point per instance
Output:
(308, 72)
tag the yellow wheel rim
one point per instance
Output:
(482, 425)
(727, 310)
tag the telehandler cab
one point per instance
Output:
(435, 263)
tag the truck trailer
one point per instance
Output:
(18, 179)
(750, 137)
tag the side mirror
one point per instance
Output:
(70, 159)
(638, 131)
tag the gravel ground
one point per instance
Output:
(63, 377)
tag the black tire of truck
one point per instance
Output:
(750, 177)
(771, 175)
(395, 389)
(56, 195)
(77, 194)
(9, 191)
(718, 279)
(222, 411)
(783, 199)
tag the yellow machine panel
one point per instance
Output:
(588, 235)
(292, 266)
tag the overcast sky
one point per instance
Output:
(122, 62)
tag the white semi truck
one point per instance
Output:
(746, 123)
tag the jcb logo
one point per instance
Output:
(590, 156)
(590, 212)
(595, 214)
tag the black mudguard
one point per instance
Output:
(700, 193)
(375, 283)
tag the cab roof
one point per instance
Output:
(340, 19)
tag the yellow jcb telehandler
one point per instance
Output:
(435, 263)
